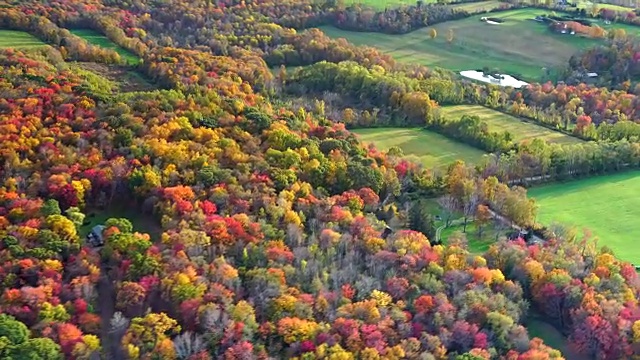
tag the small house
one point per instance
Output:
(386, 232)
(521, 234)
(95, 237)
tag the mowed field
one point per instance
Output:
(428, 148)
(607, 205)
(96, 38)
(18, 40)
(519, 46)
(382, 4)
(498, 121)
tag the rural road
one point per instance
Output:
(442, 227)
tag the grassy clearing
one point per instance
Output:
(519, 46)
(122, 79)
(589, 4)
(428, 148)
(606, 205)
(478, 6)
(537, 327)
(382, 4)
(19, 40)
(475, 243)
(96, 38)
(141, 223)
(498, 121)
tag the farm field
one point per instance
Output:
(519, 46)
(477, 6)
(607, 205)
(382, 4)
(96, 38)
(589, 4)
(498, 121)
(429, 148)
(19, 40)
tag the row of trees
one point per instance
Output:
(398, 20)
(405, 101)
(71, 46)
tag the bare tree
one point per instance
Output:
(449, 206)
(469, 206)
(118, 323)
(188, 344)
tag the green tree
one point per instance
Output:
(124, 225)
(50, 207)
(75, 215)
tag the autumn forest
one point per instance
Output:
(182, 180)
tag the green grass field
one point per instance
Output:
(96, 38)
(19, 40)
(519, 46)
(498, 121)
(429, 148)
(478, 6)
(475, 243)
(606, 205)
(382, 4)
(588, 4)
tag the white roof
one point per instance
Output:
(507, 80)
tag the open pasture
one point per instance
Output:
(519, 46)
(18, 40)
(589, 4)
(97, 39)
(473, 7)
(498, 121)
(382, 4)
(606, 205)
(426, 147)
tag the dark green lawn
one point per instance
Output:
(141, 222)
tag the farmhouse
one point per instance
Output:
(95, 237)
(496, 79)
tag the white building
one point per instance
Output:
(502, 80)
